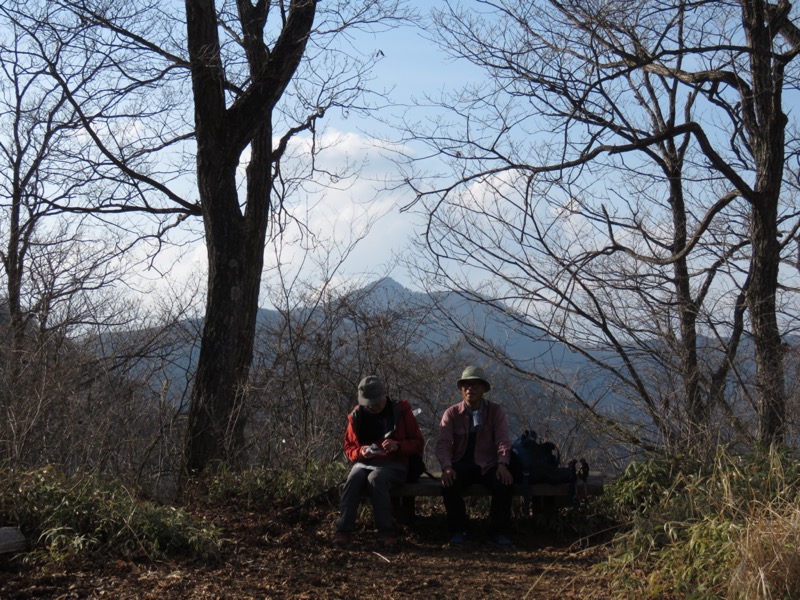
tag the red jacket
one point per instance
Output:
(406, 433)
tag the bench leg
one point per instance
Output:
(404, 509)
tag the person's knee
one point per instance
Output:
(376, 482)
(358, 474)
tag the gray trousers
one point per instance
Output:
(378, 481)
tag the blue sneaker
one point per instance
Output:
(502, 540)
(458, 538)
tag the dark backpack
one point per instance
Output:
(416, 464)
(416, 467)
(538, 462)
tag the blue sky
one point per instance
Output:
(413, 66)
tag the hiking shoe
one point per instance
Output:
(458, 538)
(502, 540)
(342, 539)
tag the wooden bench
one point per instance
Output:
(428, 487)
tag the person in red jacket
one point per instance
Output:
(381, 434)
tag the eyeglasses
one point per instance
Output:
(471, 384)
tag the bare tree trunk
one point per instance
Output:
(697, 412)
(235, 259)
(235, 239)
(770, 380)
(766, 123)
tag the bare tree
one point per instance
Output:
(235, 239)
(621, 180)
(259, 77)
(50, 257)
(59, 270)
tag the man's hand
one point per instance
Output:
(390, 446)
(369, 452)
(448, 477)
(504, 475)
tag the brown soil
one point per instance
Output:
(292, 556)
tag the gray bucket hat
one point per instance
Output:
(370, 391)
(472, 373)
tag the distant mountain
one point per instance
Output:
(527, 346)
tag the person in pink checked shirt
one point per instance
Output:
(474, 446)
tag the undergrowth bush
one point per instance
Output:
(768, 563)
(300, 484)
(66, 518)
(729, 529)
(262, 488)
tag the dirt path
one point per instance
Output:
(294, 558)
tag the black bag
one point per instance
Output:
(538, 462)
(416, 467)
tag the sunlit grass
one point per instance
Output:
(725, 530)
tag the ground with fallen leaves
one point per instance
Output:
(289, 554)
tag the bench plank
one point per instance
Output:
(432, 487)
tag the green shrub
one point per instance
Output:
(261, 488)
(220, 485)
(297, 485)
(66, 518)
(726, 529)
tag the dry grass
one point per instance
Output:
(769, 555)
(726, 530)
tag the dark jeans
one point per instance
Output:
(500, 511)
(379, 480)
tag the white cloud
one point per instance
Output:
(335, 215)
